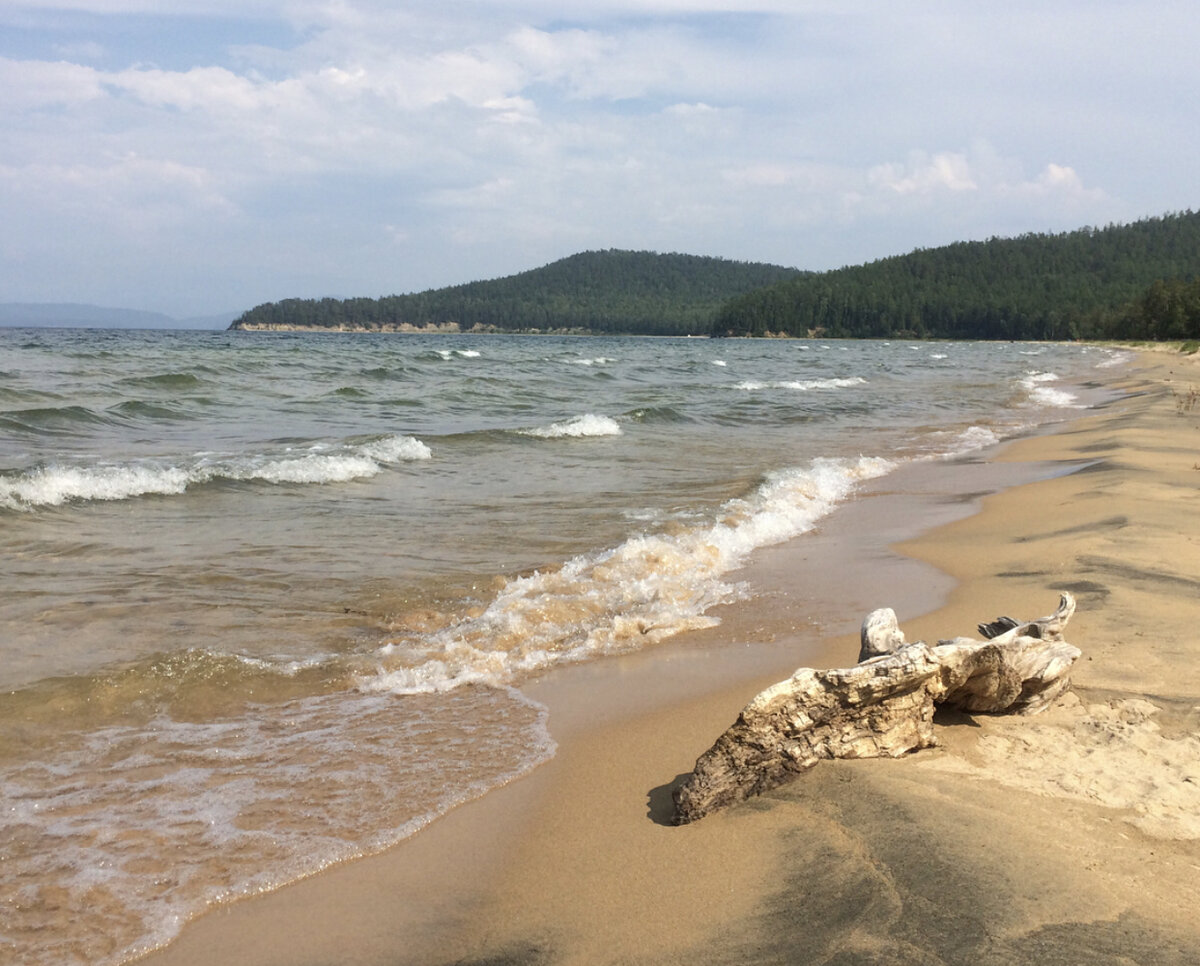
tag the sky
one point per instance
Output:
(195, 157)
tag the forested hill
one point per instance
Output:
(1091, 283)
(604, 291)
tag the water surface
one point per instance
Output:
(269, 599)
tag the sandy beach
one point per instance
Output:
(1068, 837)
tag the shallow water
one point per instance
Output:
(270, 598)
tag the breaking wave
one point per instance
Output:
(141, 825)
(55, 484)
(648, 588)
(805, 385)
(1040, 394)
(1114, 358)
(577, 427)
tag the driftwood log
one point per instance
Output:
(881, 707)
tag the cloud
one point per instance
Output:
(362, 145)
(80, 50)
(38, 85)
(923, 174)
(1060, 179)
(980, 171)
(131, 194)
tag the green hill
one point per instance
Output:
(606, 291)
(1090, 283)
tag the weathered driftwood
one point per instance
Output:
(881, 707)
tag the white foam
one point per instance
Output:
(577, 427)
(1115, 358)
(449, 354)
(937, 355)
(396, 449)
(973, 438)
(237, 806)
(646, 589)
(1040, 394)
(811, 384)
(806, 385)
(598, 361)
(310, 468)
(719, 362)
(57, 484)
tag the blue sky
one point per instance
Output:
(198, 156)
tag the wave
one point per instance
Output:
(166, 380)
(137, 409)
(396, 449)
(383, 373)
(1038, 393)
(55, 485)
(449, 354)
(657, 414)
(1114, 358)
(598, 361)
(58, 484)
(646, 589)
(25, 396)
(577, 427)
(53, 420)
(163, 817)
(807, 385)
(971, 439)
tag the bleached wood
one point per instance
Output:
(881, 707)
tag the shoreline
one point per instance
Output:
(572, 865)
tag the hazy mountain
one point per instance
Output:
(64, 315)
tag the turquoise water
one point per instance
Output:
(270, 598)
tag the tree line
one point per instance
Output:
(1135, 281)
(614, 291)
(1127, 281)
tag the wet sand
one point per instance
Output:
(1068, 837)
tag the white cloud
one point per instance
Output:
(488, 137)
(130, 193)
(202, 88)
(762, 174)
(946, 171)
(699, 109)
(491, 194)
(1061, 179)
(980, 171)
(157, 7)
(37, 85)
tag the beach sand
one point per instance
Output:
(1070, 837)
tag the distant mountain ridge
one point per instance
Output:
(1122, 281)
(65, 315)
(1135, 281)
(613, 291)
